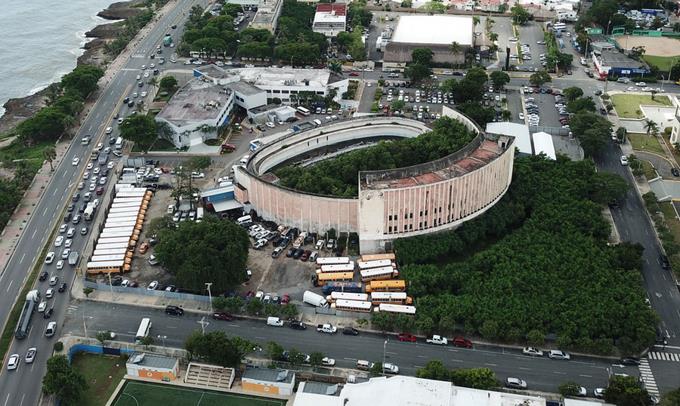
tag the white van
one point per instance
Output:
(244, 221)
(274, 321)
(317, 122)
(364, 365)
(244, 160)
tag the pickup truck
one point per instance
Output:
(326, 328)
(439, 340)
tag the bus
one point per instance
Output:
(337, 268)
(352, 287)
(393, 308)
(113, 240)
(143, 330)
(322, 278)
(378, 273)
(112, 245)
(379, 263)
(109, 251)
(390, 297)
(119, 143)
(303, 110)
(362, 297)
(98, 267)
(396, 285)
(378, 257)
(352, 306)
(332, 260)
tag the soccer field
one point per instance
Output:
(147, 394)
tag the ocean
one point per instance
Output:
(40, 41)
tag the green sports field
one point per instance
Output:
(148, 394)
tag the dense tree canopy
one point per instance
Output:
(477, 378)
(626, 391)
(592, 130)
(141, 129)
(210, 251)
(62, 381)
(338, 176)
(550, 270)
(216, 348)
(168, 83)
(470, 88)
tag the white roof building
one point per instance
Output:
(543, 144)
(330, 19)
(406, 390)
(519, 131)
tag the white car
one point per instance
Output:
(81, 185)
(143, 94)
(49, 258)
(512, 39)
(75, 161)
(42, 306)
(582, 392)
(92, 187)
(599, 392)
(270, 124)
(110, 165)
(641, 84)
(60, 264)
(64, 255)
(146, 74)
(55, 279)
(624, 160)
(95, 171)
(13, 362)
(67, 243)
(30, 355)
(152, 286)
(328, 362)
(532, 351)
(197, 175)
(62, 228)
(51, 329)
(515, 383)
(109, 130)
(59, 241)
(521, 116)
(99, 147)
(49, 293)
(86, 175)
(390, 368)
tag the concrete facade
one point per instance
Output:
(405, 202)
(268, 381)
(330, 19)
(153, 366)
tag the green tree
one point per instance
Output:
(168, 83)
(87, 291)
(651, 127)
(671, 398)
(376, 369)
(397, 105)
(274, 351)
(455, 48)
(626, 391)
(499, 79)
(82, 80)
(199, 163)
(519, 14)
(316, 358)
(50, 153)
(477, 378)
(572, 93)
(295, 357)
(608, 187)
(569, 389)
(539, 78)
(434, 369)
(592, 130)
(210, 251)
(63, 381)
(140, 129)
(423, 56)
(103, 336)
(254, 307)
(581, 104)
(417, 72)
(216, 348)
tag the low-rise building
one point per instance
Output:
(520, 132)
(330, 19)
(267, 15)
(615, 64)
(269, 381)
(152, 366)
(195, 113)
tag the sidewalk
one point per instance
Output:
(9, 238)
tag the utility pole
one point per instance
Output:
(207, 286)
(203, 324)
(384, 351)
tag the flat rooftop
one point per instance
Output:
(244, 88)
(195, 101)
(616, 59)
(269, 77)
(441, 30)
(486, 152)
(213, 71)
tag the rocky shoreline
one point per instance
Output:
(21, 108)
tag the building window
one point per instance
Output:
(389, 217)
(285, 91)
(411, 215)
(420, 225)
(277, 91)
(421, 213)
(405, 215)
(389, 229)
(426, 224)
(410, 226)
(405, 227)
(319, 93)
(426, 212)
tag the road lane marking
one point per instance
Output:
(457, 360)
(490, 364)
(232, 325)
(22, 399)
(525, 369)
(391, 353)
(55, 192)
(22, 258)
(7, 399)
(421, 356)
(350, 359)
(559, 373)
(10, 285)
(261, 338)
(586, 376)
(33, 235)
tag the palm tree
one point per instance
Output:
(653, 93)
(651, 126)
(475, 21)
(455, 48)
(49, 154)
(506, 115)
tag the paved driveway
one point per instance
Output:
(661, 164)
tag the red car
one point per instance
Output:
(354, 74)
(223, 316)
(407, 337)
(285, 299)
(462, 342)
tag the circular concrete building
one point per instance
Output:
(397, 203)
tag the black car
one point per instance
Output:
(675, 171)
(131, 103)
(174, 310)
(48, 313)
(297, 325)
(116, 281)
(82, 208)
(126, 100)
(663, 260)
(298, 253)
(62, 288)
(112, 141)
(350, 331)
(70, 207)
(632, 361)
(43, 276)
(290, 252)
(67, 217)
(75, 197)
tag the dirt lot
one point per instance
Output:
(657, 46)
(285, 276)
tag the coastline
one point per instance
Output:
(20, 108)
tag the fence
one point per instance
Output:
(146, 292)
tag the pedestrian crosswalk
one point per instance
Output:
(648, 378)
(664, 356)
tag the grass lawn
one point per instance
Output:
(102, 373)
(674, 226)
(142, 393)
(33, 154)
(662, 62)
(628, 105)
(644, 142)
(648, 169)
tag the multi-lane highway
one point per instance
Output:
(22, 386)
(542, 373)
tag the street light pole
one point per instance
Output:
(207, 286)
(384, 351)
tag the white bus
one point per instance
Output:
(143, 330)
(362, 297)
(375, 264)
(108, 258)
(390, 297)
(112, 246)
(199, 214)
(303, 110)
(119, 143)
(109, 251)
(393, 308)
(338, 267)
(116, 234)
(378, 273)
(352, 306)
(113, 240)
(332, 260)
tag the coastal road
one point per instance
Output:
(22, 386)
(541, 374)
